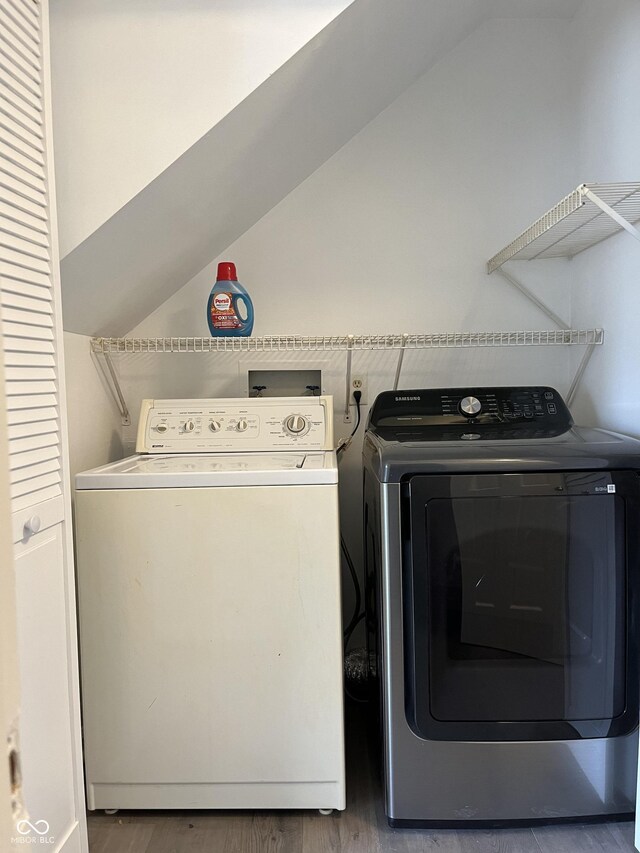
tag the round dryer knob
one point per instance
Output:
(189, 426)
(162, 428)
(296, 424)
(242, 425)
(215, 426)
(470, 406)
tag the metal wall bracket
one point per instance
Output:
(105, 364)
(405, 338)
(347, 390)
(559, 322)
(584, 361)
(533, 298)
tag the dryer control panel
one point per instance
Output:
(228, 424)
(499, 411)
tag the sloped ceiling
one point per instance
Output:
(275, 138)
(135, 83)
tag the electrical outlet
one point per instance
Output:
(359, 383)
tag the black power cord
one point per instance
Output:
(355, 618)
(357, 396)
(358, 614)
(344, 444)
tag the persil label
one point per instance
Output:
(223, 315)
(222, 301)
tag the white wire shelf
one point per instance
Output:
(575, 223)
(300, 343)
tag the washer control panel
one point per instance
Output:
(223, 425)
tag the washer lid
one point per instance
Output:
(219, 469)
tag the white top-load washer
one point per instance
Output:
(210, 618)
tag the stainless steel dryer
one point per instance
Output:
(502, 561)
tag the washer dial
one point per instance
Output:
(296, 424)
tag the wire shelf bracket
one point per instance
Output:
(548, 312)
(347, 393)
(105, 365)
(573, 389)
(396, 381)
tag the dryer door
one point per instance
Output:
(518, 594)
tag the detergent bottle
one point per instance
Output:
(229, 309)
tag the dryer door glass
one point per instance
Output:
(517, 606)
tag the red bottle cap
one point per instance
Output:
(227, 272)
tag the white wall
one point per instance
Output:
(95, 431)
(606, 277)
(393, 232)
(136, 82)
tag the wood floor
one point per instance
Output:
(362, 828)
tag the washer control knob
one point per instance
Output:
(242, 425)
(189, 426)
(215, 426)
(296, 424)
(162, 428)
(470, 406)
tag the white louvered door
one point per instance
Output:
(25, 263)
(34, 386)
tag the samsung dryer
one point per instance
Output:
(502, 562)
